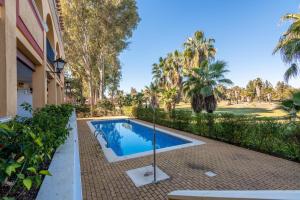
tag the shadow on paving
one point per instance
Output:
(236, 168)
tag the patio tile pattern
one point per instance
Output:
(236, 168)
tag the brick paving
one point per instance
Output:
(236, 168)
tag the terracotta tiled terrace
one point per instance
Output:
(236, 168)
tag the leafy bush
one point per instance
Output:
(181, 119)
(106, 104)
(27, 145)
(83, 110)
(105, 107)
(273, 136)
(129, 111)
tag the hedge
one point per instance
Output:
(26, 149)
(272, 136)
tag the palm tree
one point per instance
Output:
(289, 46)
(151, 93)
(283, 90)
(292, 106)
(138, 99)
(268, 90)
(197, 49)
(250, 90)
(258, 83)
(173, 71)
(128, 100)
(229, 96)
(120, 99)
(168, 97)
(146, 96)
(220, 92)
(202, 82)
(158, 72)
(244, 95)
(237, 93)
(167, 75)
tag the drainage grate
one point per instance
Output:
(210, 174)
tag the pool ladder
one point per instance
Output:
(99, 132)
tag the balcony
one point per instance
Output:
(30, 25)
(50, 53)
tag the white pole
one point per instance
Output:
(154, 147)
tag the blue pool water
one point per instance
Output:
(125, 137)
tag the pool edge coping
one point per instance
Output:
(112, 157)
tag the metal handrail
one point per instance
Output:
(98, 132)
(104, 137)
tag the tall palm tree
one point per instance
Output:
(251, 90)
(289, 46)
(197, 49)
(237, 93)
(201, 85)
(138, 99)
(151, 93)
(229, 95)
(168, 97)
(168, 76)
(173, 71)
(258, 83)
(158, 72)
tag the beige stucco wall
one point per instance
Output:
(26, 48)
(52, 92)
(30, 21)
(8, 69)
(11, 39)
(39, 87)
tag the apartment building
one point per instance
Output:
(31, 55)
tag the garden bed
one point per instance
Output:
(65, 182)
(28, 146)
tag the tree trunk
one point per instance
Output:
(173, 106)
(91, 88)
(112, 95)
(197, 103)
(210, 103)
(258, 93)
(96, 95)
(101, 83)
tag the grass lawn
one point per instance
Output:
(255, 108)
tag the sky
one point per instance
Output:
(245, 33)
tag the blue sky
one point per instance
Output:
(246, 32)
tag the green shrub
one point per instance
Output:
(181, 119)
(27, 144)
(106, 104)
(273, 136)
(129, 111)
(105, 107)
(84, 108)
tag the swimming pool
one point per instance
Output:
(123, 139)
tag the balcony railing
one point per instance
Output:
(50, 52)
